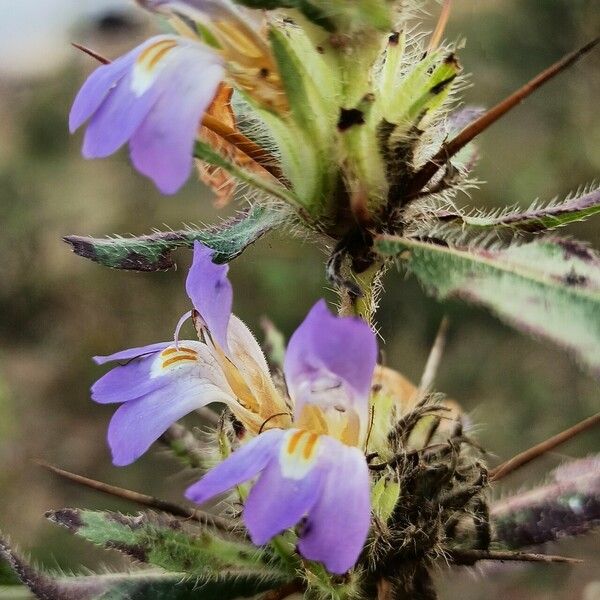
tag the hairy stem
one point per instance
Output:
(365, 305)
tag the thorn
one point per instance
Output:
(142, 499)
(438, 32)
(470, 557)
(449, 149)
(91, 53)
(538, 450)
(433, 360)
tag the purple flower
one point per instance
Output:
(310, 471)
(161, 383)
(154, 98)
(315, 470)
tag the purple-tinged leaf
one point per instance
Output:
(549, 288)
(451, 224)
(154, 252)
(568, 505)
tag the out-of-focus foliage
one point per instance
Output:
(57, 311)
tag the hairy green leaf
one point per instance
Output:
(165, 542)
(141, 586)
(153, 252)
(425, 87)
(549, 288)
(137, 585)
(305, 137)
(517, 221)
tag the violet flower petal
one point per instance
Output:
(162, 148)
(97, 87)
(117, 119)
(189, 360)
(277, 502)
(130, 353)
(338, 524)
(211, 293)
(137, 424)
(342, 349)
(153, 97)
(127, 382)
(244, 464)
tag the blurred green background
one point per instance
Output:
(58, 310)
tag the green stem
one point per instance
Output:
(284, 547)
(365, 305)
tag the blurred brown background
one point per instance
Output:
(58, 310)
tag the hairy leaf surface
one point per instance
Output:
(549, 288)
(153, 252)
(163, 541)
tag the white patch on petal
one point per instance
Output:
(326, 391)
(149, 65)
(299, 452)
(173, 358)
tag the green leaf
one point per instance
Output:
(305, 137)
(549, 288)
(161, 586)
(153, 252)
(364, 155)
(143, 585)
(137, 585)
(424, 88)
(516, 221)
(166, 542)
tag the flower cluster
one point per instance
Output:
(320, 81)
(306, 450)
(327, 101)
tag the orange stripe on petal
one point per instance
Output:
(310, 446)
(175, 359)
(180, 350)
(295, 440)
(152, 55)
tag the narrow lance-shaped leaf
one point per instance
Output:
(568, 505)
(516, 221)
(165, 542)
(143, 585)
(549, 288)
(153, 252)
